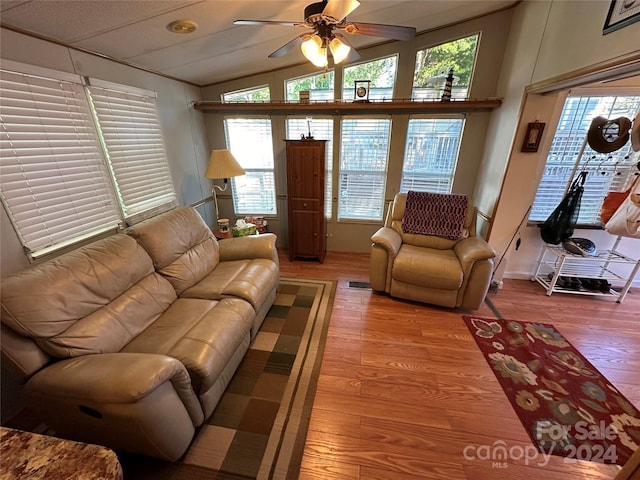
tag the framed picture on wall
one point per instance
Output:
(532, 137)
(621, 13)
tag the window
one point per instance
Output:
(570, 154)
(381, 72)
(321, 129)
(320, 87)
(133, 143)
(364, 153)
(433, 64)
(249, 139)
(431, 154)
(67, 177)
(54, 180)
(259, 94)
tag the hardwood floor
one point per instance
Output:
(404, 389)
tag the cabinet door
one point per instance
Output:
(305, 172)
(306, 237)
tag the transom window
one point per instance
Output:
(433, 65)
(381, 73)
(320, 87)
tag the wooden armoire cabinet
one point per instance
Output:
(305, 194)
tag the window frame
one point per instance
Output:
(377, 191)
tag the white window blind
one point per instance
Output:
(54, 182)
(133, 141)
(249, 139)
(321, 129)
(570, 154)
(364, 154)
(431, 154)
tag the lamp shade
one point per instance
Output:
(340, 48)
(222, 164)
(315, 49)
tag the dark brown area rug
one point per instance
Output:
(566, 405)
(259, 427)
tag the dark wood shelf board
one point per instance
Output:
(389, 106)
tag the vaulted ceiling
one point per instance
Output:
(137, 33)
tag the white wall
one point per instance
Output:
(548, 39)
(183, 127)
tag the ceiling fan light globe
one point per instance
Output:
(314, 50)
(339, 49)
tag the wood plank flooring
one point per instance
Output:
(404, 389)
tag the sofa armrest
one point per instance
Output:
(388, 239)
(385, 245)
(252, 246)
(115, 378)
(473, 249)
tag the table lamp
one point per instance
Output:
(222, 164)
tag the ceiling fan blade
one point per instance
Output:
(352, 57)
(269, 22)
(287, 47)
(338, 9)
(395, 32)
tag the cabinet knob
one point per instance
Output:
(304, 205)
(315, 234)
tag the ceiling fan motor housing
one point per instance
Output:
(313, 12)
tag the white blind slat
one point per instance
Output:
(250, 141)
(134, 143)
(364, 154)
(54, 183)
(431, 154)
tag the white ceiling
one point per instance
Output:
(135, 32)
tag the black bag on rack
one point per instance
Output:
(562, 221)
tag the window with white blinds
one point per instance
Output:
(321, 129)
(53, 178)
(250, 141)
(570, 154)
(364, 155)
(431, 154)
(133, 143)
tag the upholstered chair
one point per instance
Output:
(450, 272)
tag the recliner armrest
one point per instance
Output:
(388, 239)
(252, 246)
(473, 249)
(115, 378)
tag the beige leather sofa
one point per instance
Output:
(130, 341)
(430, 269)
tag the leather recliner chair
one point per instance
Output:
(427, 268)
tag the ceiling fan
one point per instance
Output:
(326, 19)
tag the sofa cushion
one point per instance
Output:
(92, 300)
(202, 334)
(252, 280)
(427, 267)
(181, 245)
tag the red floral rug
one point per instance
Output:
(567, 407)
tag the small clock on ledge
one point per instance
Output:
(361, 90)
